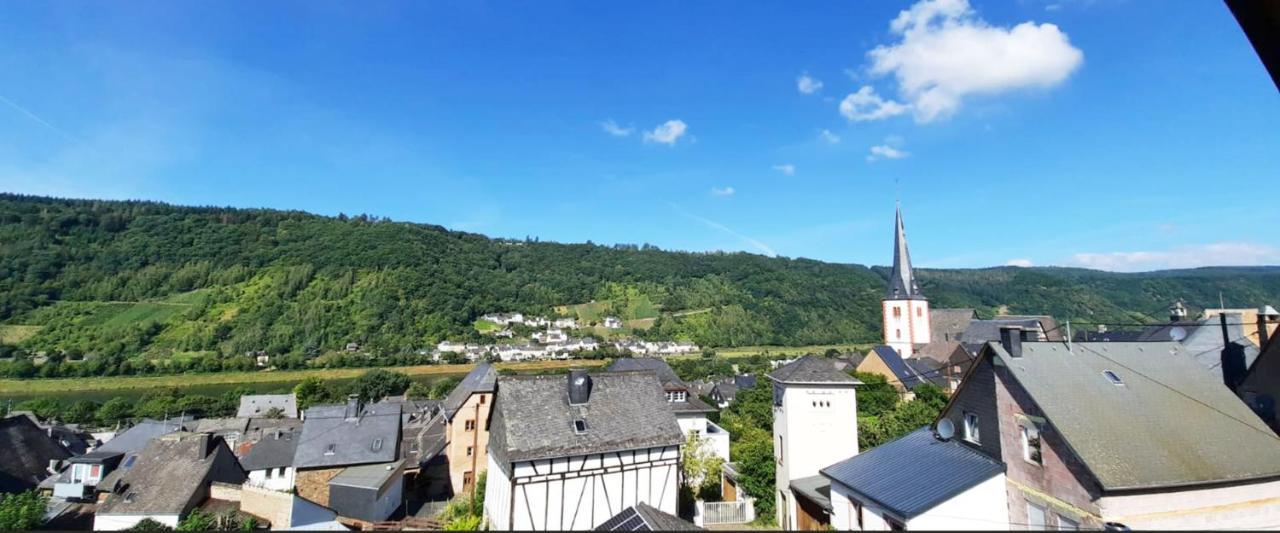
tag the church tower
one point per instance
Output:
(906, 311)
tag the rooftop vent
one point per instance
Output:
(579, 387)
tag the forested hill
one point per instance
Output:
(236, 280)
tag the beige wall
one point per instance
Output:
(314, 484)
(872, 364)
(273, 506)
(476, 409)
(1253, 506)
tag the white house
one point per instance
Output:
(691, 412)
(269, 463)
(612, 322)
(918, 482)
(565, 323)
(567, 454)
(815, 424)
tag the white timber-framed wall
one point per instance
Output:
(582, 491)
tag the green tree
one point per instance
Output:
(699, 462)
(81, 412)
(198, 520)
(442, 387)
(147, 524)
(22, 511)
(378, 383)
(875, 396)
(114, 411)
(753, 457)
(43, 408)
(312, 390)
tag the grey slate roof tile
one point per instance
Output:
(914, 473)
(482, 378)
(169, 472)
(273, 450)
(811, 369)
(256, 405)
(329, 438)
(532, 417)
(25, 452)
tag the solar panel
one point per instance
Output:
(627, 520)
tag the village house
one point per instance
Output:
(28, 453)
(725, 391)
(1261, 385)
(337, 437)
(466, 417)
(269, 463)
(691, 412)
(566, 451)
(165, 481)
(612, 322)
(815, 413)
(565, 323)
(903, 374)
(1135, 434)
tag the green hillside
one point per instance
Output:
(141, 279)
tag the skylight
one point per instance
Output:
(579, 426)
(1113, 378)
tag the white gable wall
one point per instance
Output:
(818, 426)
(581, 492)
(119, 522)
(982, 507)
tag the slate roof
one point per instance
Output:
(367, 476)
(252, 405)
(354, 440)
(816, 489)
(902, 281)
(168, 473)
(948, 324)
(938, 351)
(642, 517)
(906, 375)
(914, 473)
(980, 331)
(1170, 424)
(726, 391)
(422, 442)
(273, 450)
(26, 451)
(136, 438)
(669, 380)
(1203, 341)
(1052, 331)
(1085, 335)
(482, 378)
(219, 426)
(532, 418)
(811, 369)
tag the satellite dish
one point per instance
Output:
(945, 429)
(1178, 333)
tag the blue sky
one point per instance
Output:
(1121, 135)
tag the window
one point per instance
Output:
(971, 428)
(270, 473)
(467, 479)
(897, 312)
(1031, 445)
(779, 449)
(280, 472)
(482, 398)
(77, 473)
(471, 425)
(579, 426)
(1035, 516)
(1067, 524)
(469, 451)
(1113, 378)
(128, 463)
(377, 445)
(897, 333)
(856, 509)
(919, 311)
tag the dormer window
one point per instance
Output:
(677, 396)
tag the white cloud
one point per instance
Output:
(754, 243)
(808, 85)
(829, 137)
(718, 191)
(891, 149)
(947, 52)
(1024, 263)
(667, 132)
(867, 105)
(1212, 254)
(612, 128)
(788, 169)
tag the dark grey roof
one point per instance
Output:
(666, 375)
(136, 438)
(940, 351)
(811, 369)
(169, 472)
(367, 476)
(816, 489)
(1085, 335)
(725, 391)
(218, 426)
(482, 378)
(533, 419)
(423, 441)
(902, 281)
(948, 324)
(96, 456)
(1052, 331)
(980, 331)
(643, 517)
(744, 381)
(329, 438)
(252, 405)
(1203, 339)
(274, 450)
(26, 451)
(904, 374)
(1170, 424)
(914, 473)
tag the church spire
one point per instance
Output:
(902, 282)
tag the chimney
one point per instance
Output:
(353, 407)
(1233, 367)
(1011, 340)
(1177, 311)
(1266, 316)
(204, 445)
(579, 387)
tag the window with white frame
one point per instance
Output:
(971, 432)
(677, 396)
(1035, 516)
(1067, 524)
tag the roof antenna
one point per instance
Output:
(1069, 335)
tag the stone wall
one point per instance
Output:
(272, 506)
(314, 484)
(224, 491)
